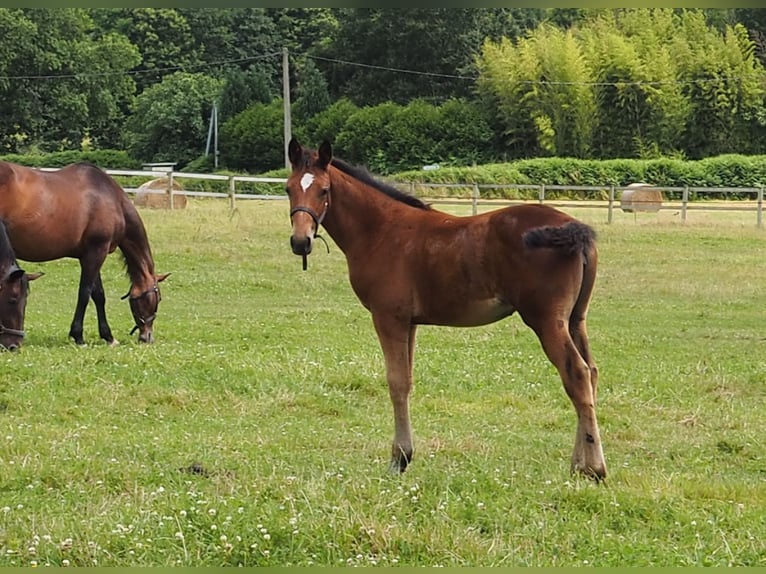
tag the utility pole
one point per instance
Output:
(212, 132)
(286, 103)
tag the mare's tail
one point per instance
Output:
(573, 237)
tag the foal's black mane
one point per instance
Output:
(365, 177)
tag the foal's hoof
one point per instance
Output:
(598, 475)
(399, 463)
(113, 343)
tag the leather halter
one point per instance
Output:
(16, 332)
(142, 320)
(317, 222)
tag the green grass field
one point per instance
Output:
(256, 430)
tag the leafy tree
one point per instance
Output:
(640, 102)
(722, 80)
(242, 89)
(650, 81)
(302, 30)
(542, 88)
(311, 93)
(162, 36)
(385, 39)
(170, 119)
(63, 81)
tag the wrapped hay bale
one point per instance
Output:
(147, 195)
(641, 197)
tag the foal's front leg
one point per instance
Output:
(397, 339)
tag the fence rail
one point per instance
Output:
(473, 196)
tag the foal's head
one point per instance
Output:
(14, 288)
(308, 188)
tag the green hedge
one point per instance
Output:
(721, 171)
(105, 159)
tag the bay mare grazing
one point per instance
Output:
(14, 288)
(79, 211)
(412, 265)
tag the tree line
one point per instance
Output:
(393, 88)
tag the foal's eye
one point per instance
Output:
(324, 191)
(287, 190)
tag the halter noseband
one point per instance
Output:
(141, 320)
(317, 222)
(16, 332)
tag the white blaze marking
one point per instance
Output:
(306, 181)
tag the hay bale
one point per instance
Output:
(156, 200)
(641, 197)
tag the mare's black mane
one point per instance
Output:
(7, 253)
(365, 177)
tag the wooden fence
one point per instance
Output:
(679, 198)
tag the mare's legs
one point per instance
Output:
(576, 373)
(99, 300)
(90, 267)
(397, 339)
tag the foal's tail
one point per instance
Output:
(572, 238)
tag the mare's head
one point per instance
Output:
(14, 288)
(308, 189)
(143, 305)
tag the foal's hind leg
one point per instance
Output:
(99, 300)
(397, 339)
(576, 374)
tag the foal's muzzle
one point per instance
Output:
(302, 245)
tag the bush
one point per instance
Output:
(252, 140)
(105, 159)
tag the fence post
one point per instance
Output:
(611, 204)
(759, 209)
(475, 199)
(541, 197)
(170, 190)
(684, 202)
(231, 192)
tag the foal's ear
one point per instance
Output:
(325, 154)
(294, 152)
(33, 276)
(161, 278)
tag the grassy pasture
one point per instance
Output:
(256, 430)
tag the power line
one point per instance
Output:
(373, 67)
(138, 72)
(387, 69)
(535, 82)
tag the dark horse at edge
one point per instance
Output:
(79, 211)
(411, 265)
(14, 288)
